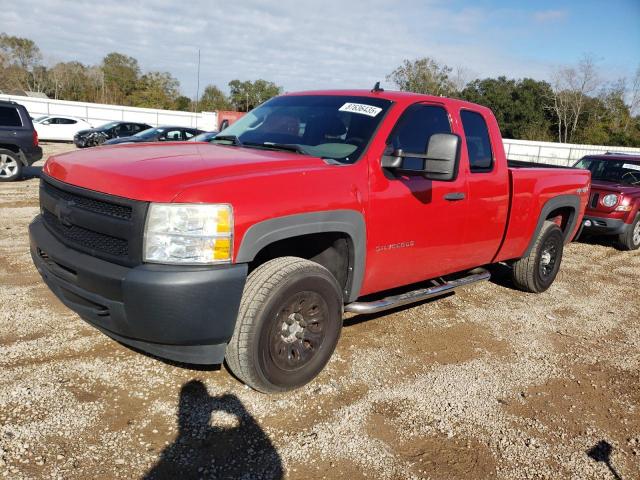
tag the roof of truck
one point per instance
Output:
(393, 95)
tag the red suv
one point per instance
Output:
(614, 202)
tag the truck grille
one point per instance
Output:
(75, 234)
(97, 206)
(593, 203)
(104, 226)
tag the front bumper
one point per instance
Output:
(180, 313)
(603, 225)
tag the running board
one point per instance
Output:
(439, 289)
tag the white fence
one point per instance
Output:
(97, 114)
(565, 154)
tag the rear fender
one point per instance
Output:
(562, 201)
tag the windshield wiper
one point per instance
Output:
(289, 147)
(229, 138)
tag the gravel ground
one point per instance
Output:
(487, 383)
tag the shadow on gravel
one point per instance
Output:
(217, 438)
(501, 275)
(31, 172)
(601, 240)
(601, 452)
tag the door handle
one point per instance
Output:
(455, 196)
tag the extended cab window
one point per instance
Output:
(414, 129)
(478, 144)
(9, 117)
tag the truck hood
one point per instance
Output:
(159, 172)
(602, 186)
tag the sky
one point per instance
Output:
(302, 45)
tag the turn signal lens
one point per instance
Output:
(624, 208)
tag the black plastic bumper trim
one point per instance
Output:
(604, 226)
(175, 312)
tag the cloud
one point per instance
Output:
(299, 45)
(549, 16)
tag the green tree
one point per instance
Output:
(183, 103)
(213, 99)
(155, 90)
(424, 75)
(121, 75)
(247, 95)
(520, 106)
(20, 64)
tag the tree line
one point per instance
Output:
(575, 105)
(117, 79)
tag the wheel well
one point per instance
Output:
(332, 250)
(10, 146)
(562, 217)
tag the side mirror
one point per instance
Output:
(439, 163)
(47, 122)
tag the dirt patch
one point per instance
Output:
(488, 383)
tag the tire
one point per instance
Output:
(630, 240)
(10, 166)
(288, 325)
(536, 272)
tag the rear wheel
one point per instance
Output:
(536, 272)
(288, 325)
(630, 240)
(10, 166)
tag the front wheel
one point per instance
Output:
(630, 240)
(536, 272)
(288, 325)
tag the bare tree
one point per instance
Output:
(571, 86)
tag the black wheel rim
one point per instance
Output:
(299, 331)
(548, 258)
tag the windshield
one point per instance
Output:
(149, 133)
(623, 172)
(327, 126)
(203, 137)
(40, 119)
(107, 126)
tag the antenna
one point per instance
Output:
(377, 88)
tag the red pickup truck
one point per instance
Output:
(614, 205)
(249, 249)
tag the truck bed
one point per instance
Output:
(523, 164)
(534, 187)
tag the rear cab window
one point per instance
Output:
(476, 134)
(9, 117)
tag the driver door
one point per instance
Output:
(416, 224)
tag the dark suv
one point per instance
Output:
(18, 141)
(93, 137)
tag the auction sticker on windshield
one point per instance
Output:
(631, 166)
(361, 108)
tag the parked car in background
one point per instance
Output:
(18, 141)
(614, 204)
(250, 247)
(97, 136)
(58, 127)
(204, 137)
(158, 134)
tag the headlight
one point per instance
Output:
(188, 233)
(610, 200)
